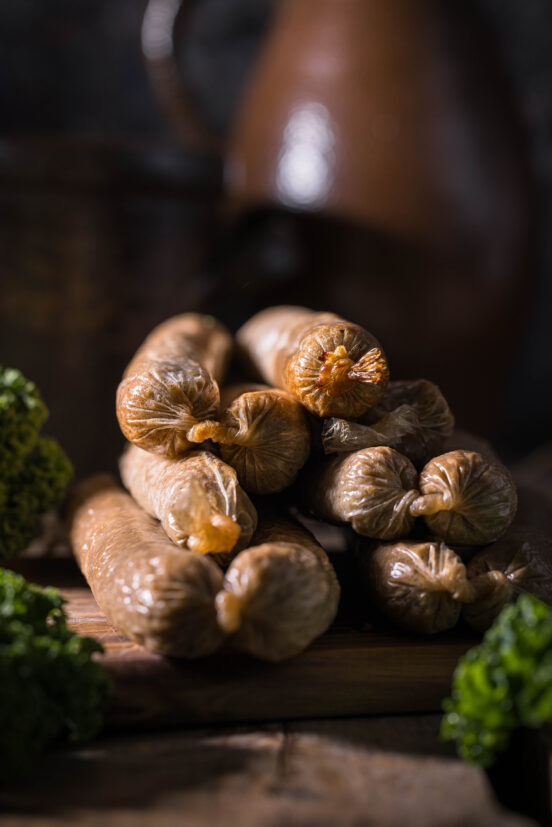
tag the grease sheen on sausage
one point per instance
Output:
(172, 382)
(412, 416)
(420, 587)
(371, 489)
(198, 499)
(333, 367)
(263, 433)
(148, 588)
(279, 594)
(465, 499)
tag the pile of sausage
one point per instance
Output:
(186, 559)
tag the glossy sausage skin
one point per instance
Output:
(412, 416)
(465, 499)
(172, 382)
(263, 434)
(420, 587)
(521, 561)
(333, 367)
(197, 498)
(158, 595)
(371, 489)
(280, 594)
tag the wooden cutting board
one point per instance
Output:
(345, 672)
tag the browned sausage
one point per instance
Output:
(333, 367)
(197, 498)
(171, 382)
(156, 594)
(280, 594)
(412, 417)
(263, 433)
(372, 490)
(521, 561)
(466, 500)
(419, 586)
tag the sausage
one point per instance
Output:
(333, 367)
(372, 490)
(197, 498)
(172, 382)
(280, 594)
(413, 417)
(521, 561)
(157, 595)
(263, 434)
(420, 587)
(465, 499)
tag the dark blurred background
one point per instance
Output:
(113, 217)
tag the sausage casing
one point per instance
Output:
(333, 367)
(172, 382)
(197, 498)
(465, 499)
(521, 561)
(280, 594)
(419, 586)
(159, 596)
(412, 416)
(372, 490)
(263, 434)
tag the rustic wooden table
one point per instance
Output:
(370, 770)
(357, 771)
(381, 770)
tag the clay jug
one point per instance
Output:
(386, 111)
(385, 126)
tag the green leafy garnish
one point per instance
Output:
(34, 470)
(502, 684)
(51, 688)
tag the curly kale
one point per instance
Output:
(50, 686)
(34, 470)
(502, 684)
(22, 415)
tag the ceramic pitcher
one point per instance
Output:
(391, 116)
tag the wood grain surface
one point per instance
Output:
(356, 772)
(346, 672)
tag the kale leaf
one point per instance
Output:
(34, 470)
(502, 684)
(50, 685)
